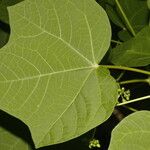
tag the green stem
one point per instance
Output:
(120, 76)
(134, 100)
(126, 68)
(134, 81)
(125, 18)
(93, 134)
(130, 108)
(117, 42)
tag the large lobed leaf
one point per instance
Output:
(49, 73)
(132, 133)
(135, 52)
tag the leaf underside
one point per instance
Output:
(49, 74)
(132, 133)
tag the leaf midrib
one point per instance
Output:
(48, 74)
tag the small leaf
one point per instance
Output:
(133, 53)
(132, 133)
(3, 9)
(10, 2)
(10, 141)
(49, 75)
(124, 35)
(4, 20)
(3, 13)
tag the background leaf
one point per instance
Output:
(4, 20)
(3, 13)
(10, 3)
(3, 9)
(114, 16)
(10, 141)
(50, 77)
(132, 133)
(136, 12)
(4, 36)
(133, 53)
(16, 136)
(148, 2)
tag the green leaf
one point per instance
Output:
(113, 15)
(16, 136)
(3, 13)
(4, 20)
(136, 13)
(13, 133)
(148, 2)
(124, 35)
(9, 141)
(81, 142)
(49, 75)
(4, 36)
(133, 53)
(10, 2)
(3, 9)
(132, 133)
